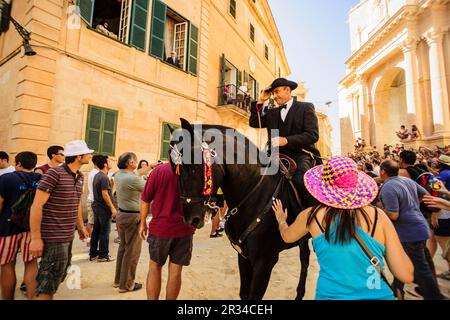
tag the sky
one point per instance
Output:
(316, 41)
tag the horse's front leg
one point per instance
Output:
(304, 261)
(262, 271)
(245, 273)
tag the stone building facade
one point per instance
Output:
(111, 85)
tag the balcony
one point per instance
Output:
(231, 96)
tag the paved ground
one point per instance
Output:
(213, 274)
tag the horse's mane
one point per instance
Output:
(224, 129)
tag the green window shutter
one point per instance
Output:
(86, 10)
(165, 140)
(239, 78)
(109, 132)
(246, 77)
(222, 78)
(193, 49)
(94, 127)
(101, 130)
(233, 8)
(252, 33)
(138, 23)
(158, 29)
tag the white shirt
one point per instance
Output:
(244, 89)
(376, 170)
(90, 184)
(285, 111)
(7, 170)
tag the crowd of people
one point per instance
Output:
(139, 197)
(398, 170)
(360, 210)
(409, 219)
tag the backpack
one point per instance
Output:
(20, 210)
(433, 185)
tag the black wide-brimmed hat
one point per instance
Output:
(282, 82)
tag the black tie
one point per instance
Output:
(283, 107)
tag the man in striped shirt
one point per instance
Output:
(55, 212)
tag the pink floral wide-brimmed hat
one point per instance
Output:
(339, 184)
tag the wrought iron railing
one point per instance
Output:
(231, 95)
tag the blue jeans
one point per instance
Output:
(100, 234)
(423, 274)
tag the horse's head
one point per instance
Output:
(194, 161)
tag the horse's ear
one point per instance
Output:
(171, 129)
(186, 125)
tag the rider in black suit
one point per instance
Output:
(298, 130)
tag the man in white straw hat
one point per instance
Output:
(55, 212)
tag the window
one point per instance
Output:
(233, 8)
(125, 21)
(171, 32)
(266, 52)
(253, 88)
(5, 13)
(252, 33)
(101, 130)
(165, 140)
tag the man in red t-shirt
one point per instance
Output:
(168, 235)
(56, 156)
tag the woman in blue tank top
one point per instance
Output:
(350, 238)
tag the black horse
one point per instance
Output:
(250, 225)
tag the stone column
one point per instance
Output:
(409, 48)
(439, 95)
(364, 96)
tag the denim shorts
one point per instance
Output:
(53, 267)
(178, 249)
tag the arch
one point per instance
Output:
(389, 106)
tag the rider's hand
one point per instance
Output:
(265, 95)
(279, 142)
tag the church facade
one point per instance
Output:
(398, 73)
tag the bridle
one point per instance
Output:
(208, 161)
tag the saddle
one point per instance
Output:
(287, 165)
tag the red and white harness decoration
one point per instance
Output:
(208, 156)
(208, 185)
